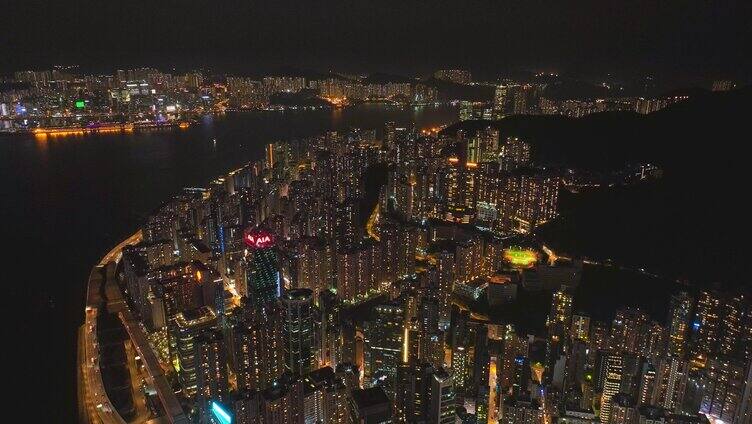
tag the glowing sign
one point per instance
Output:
(80, 104)
(258, 239)
(220, 414)
(520, 258)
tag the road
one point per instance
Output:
(139, 401)
(95, 406)
(95, 392)
(138, 345)
(86, 411)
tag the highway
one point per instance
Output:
(95, 393)
(97, 407)
(139, 400)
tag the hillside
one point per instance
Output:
(691, 224)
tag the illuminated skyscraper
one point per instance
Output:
(560, 317)
(398, 246)
(521, 375)
(298, 331)
(461, 366)
(706, 327)
(580, 329)
(446, 274)
(355, 274)
(184, 329)
(732, 329)
(745, 410)
(628, 330)
(646, 386)
(612, 373)
(262, 276)
(514, 153)
(723, 385)
(442, 407)
(679, 316)
(385, 341)
(282, 402)
(315, 264)
(527, 199)
(459, 183)
(330, 332)
(670, 381)
(211, 358)
(623, 410)
(258, 346)
(501, 101)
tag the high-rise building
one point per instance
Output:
(744, 415)
(670, 381)
(329, 332)
(184, 329)
(258, 346)
(298, 331)
(385, 342)
(460, 185)
(612, 374)
(211, 359)
(282, 402)
(560, 317)
(514, 153)
(623, 410)
(315, 264)
(732, 329)
(446, 274)
(355, 272)
(521, 411)
(262, 276)
(370, 406)
(706, 327)
(723, 385)
(398, 248)
(628, 330)
(501, 101)
(580, 329)
(441, 410)
(527, 199)
(646, 386)
(246, 406)
(679, 316)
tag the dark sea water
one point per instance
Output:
(64, 202)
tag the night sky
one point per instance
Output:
(682, 38)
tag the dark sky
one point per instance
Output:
(693, 37)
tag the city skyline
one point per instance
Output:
(394, 212)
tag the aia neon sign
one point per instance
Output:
(258, 239)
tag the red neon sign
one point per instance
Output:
(258, 239)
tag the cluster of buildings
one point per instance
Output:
(64, 96)
(484, 180)
(296, 289)
(532, 99)
(249, 289)
(337, 90)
